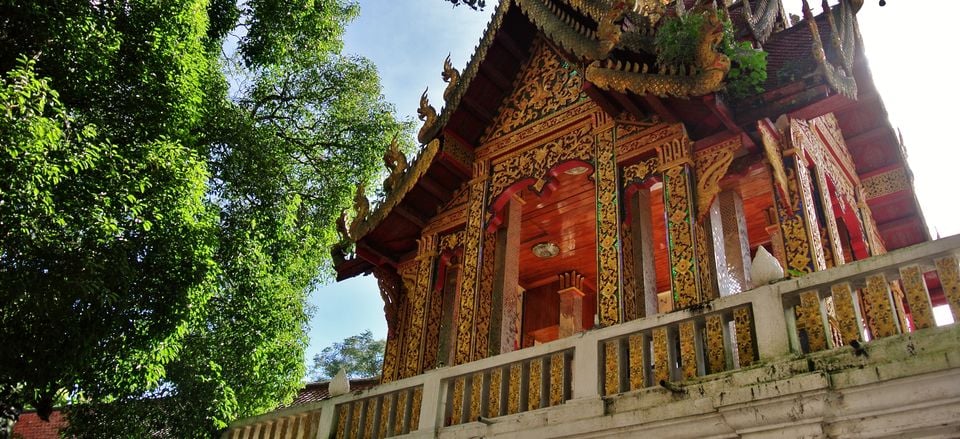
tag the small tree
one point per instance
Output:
(360, 356)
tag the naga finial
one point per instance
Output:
(396, 163)
(427, 114)
(361, 206)
(609, 27)
(338, 251)
(451, 76)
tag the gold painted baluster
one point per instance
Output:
(637, 376)
(533, 385)
(343, 411)
(400, 413)
(688, 349)
(950, 280)
(556, 378)
(846, 313)
(661, 363)
(716, 359)
(415, 402)
(743, 321)
(476, 396)
(369, 418)
(611, 369)
(915, 288)
(810, 320)
(456, 410)
(385, 408)
(355, 419)
(493, 401)
(513, 390)
(880, 318)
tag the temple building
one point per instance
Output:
(664, 218)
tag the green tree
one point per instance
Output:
(360, 356)
(160, 229)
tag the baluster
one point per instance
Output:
(915, 288)
(456, 408)
(611, 370)
(355, 416)
(688, 350)
(743, 323)
(810, 321)
(535, 384)
(415, 401)
(400, 415)
(557, 381)
(476, 396)
(950, 280)
(494, 395)
(513, 389)
(846, 312)
(637, 373)
(716, 361)
(879, 310)
(661, 362)
(387, 410)
(343, 415)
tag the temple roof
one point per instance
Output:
(816, 66)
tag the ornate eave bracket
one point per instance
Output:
(839, 77)
(572, 35)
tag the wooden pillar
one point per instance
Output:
(608, 228)
(473, 236)
(571, 303)
(679, 209)
(730, 242)
(793, 194)
(506, 299)
(486, 338)
(414, 354)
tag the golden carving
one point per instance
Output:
(639, 172)
(705, 267)
(385, 415)
(428, 115)
(343, 415)
(716, 355)
(481, 348)
(535, 162)
(743, 324)
(877, 307)
(415, 352)
(476, 394)
(608, 236)
(493, 399)
(688, 351)
(674, 152)
(950, 280)
(630, 288)
(546, 85)
(569, 33)
(661, 361)
(396, 163)
(841, 81)
(846, 313)
(361, 207)
(451, 241)
(683, 264)
(534, 383)
(918, 297)
(400, 414)
(368, 417)
(631, 146)
(451, 76)
(810, 321)
(513, 389)
(711, 165)
(532, 135)
(705, 76)
(611, 368)
(557, 374)
(771, 147)
(415, 402)
(886, 183)
(355, 418)
(456, 409)
(636, 369)
(459, 151)
(471, 255)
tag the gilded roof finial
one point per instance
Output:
(396, 163)
(451, 76)
(428, 115)
(361, 206)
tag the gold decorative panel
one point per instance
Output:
(810, 320)
(688, 349)
(476, 396)
(400, 413)
(456, 408)
(413, 353)
(485, 297)
(636, 369)
(711, 165)
(415, 402)
(355, 418)
(533, 384)
(369, 417)
(493, 400)
(846, 313)
(534, 163)
(877, 307)
(608, 236)
(640, 171)
(743, 322)
(627, 270)
(893, 181)
(431, 344)
(915, 288)
(343, 417)
(513, 389)
(716, 355)
(611, 368)
(950, 280)
(557, 378)
(385, 407)
(679, 213)
(546, 85)
(471, 255)
(661, 360)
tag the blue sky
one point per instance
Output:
(908, 47)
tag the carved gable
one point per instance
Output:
(547, 84)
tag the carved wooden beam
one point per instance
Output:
(601, 98)
(720, 109)
(435, 189)
(412, 217)
(660, 108)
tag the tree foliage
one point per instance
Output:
(160, 229)
(360, 356)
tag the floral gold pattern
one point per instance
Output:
(716, 359)
(608, 237)
(415, 400)
(661, 361)
(688, 351)
(810, 320)
(915, 288)
(842, 295)
(414, 353)
(402, 399)
(471, 255)
(534, 384)
(476, 396)
(481, 348)
(877, 307)
(493, 400)
(385, 406)
(513, 389)
(743, 323)
(557, 378)
(950, 279)
(611, 368)
(636, 369)
(456, 408)
(630, 288)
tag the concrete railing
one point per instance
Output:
(857, 301)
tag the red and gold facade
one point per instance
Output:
(560, 190)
